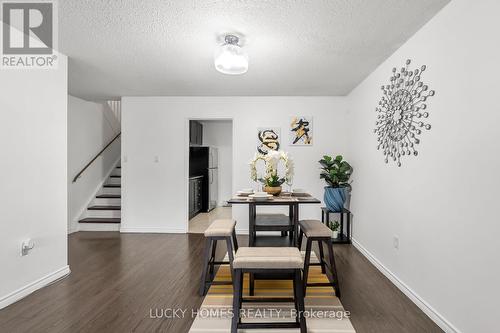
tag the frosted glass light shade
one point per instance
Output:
(231, 59)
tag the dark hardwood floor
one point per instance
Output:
(117, 278)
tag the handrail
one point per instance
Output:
(95, 157)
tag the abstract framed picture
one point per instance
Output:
(268, 138)
(301, 131)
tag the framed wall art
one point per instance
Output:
(301, 131)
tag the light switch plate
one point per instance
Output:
(26, 246)
(395, 242)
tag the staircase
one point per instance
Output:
(104, 212)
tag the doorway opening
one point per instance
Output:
(210, 172)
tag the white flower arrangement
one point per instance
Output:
(271, 161)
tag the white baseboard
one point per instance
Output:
(33, 286)
(73, 227)
(242, 231)
(152, 230)
(412, 295)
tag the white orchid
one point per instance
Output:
(271, 160)
(253, 166)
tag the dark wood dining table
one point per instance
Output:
(284, 199)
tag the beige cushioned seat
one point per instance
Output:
(268, 258)
(220, 228)
(314, 228)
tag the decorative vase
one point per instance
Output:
(274, 190)
(334, 198)
(335, 233)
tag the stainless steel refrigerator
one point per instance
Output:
(213, 177)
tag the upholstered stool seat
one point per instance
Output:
(268, 258)
(220, 228)
(316, 231)
(285, 262)
(314, 228)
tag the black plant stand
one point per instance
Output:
(342, 238)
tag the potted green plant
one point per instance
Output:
(336, 172)
(334, 226)
(272, 185)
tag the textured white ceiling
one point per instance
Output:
(159, 47)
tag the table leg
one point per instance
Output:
(341, 223)
(295, 223)
(251, 224)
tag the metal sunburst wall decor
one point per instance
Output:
(401, 113)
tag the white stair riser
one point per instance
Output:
(114, 181)
(110, 190)
(99, 227)
(102, 213)
(106, 202)
(116, 172)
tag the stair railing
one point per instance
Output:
(95, 157)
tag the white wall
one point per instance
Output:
(154, 196)
(91, 126)
(33, 197)
(442, 204)
(219, 134)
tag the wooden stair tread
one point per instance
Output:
(100, 220)
(112, 185)
(102, 207)
(116, 176)
(108, 196)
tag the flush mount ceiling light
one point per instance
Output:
(230, 58)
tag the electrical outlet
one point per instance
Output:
(395, 242)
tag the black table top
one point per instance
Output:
(284, 199)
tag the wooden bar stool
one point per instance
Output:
(218, 230)
(316, 231)
(285, 262)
